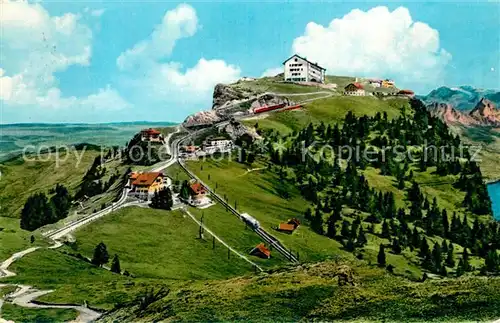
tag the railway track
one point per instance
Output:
(271, 240)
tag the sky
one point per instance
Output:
(98, 61)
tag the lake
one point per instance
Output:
(494, 191)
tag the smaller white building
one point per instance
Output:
(212, 145)
(299, 69)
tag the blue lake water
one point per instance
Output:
(494, 191)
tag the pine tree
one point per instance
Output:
(386, 232)
(345, 231)
(308, 214)
(396, 247)
(381, 256)
(101, 255)
(361, 240)
(115, 265)
(317, 222)
(437, 258)
(450, 261)
(491, 261)
(331, 230)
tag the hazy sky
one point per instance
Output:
(139, 60)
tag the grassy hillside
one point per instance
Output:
(328, 110)
(75, 281)
(273, 84)
(16, 313)
(259, 192)
(14, 239)
(312, 292)
(160, 244)
(22, 178)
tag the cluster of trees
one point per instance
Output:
(476, 197)
(92, 183)
(138, 152)
(40, 210)
(101, 258)
(162, 199)
(329, 185)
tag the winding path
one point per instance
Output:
(25, 295)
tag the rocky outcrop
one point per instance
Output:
(225, 94)
(486, 113)
(267, 100)
(201, 118)
(449, 114)
(236, 130)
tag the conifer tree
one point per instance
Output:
(381, 256)
(101, 255)
(331, 230)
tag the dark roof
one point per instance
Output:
(313, 64)
(406, 92)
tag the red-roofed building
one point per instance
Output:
(147, 183)
(261, 251)
(151, 135)
(407, 93)
(197, 193)
(289, 226)
(354, 89)
(285, 227)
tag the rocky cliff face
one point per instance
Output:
(449, 114)
(484, 114)
(225, 94)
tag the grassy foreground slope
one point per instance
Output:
(22, 178)
(15, 313)
(73, 280)
(160, 244)
(312, 291)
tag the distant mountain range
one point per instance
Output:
(462, 98)
(465, 105)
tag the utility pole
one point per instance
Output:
(201, 226)
(228, 253)
(213, 242)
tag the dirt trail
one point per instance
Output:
(25, 295)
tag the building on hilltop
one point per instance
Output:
(389, 84)
(151, 135)
(406, 93)
(375, 82)
(354, 89)
(299, 69)
(146, 184)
